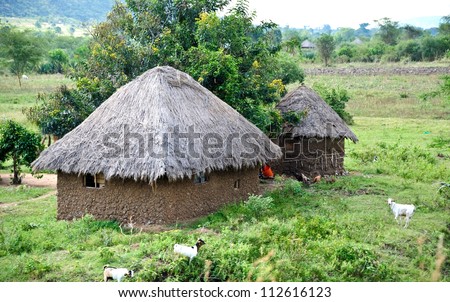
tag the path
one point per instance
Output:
(47, 180)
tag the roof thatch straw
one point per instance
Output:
(161, 124)
(320, 119)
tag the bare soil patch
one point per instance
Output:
(47, 180)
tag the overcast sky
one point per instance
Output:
(344, 13)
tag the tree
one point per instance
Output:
(229, 55)
(444, 25)
(21, 48)
(362, 31)
(411, 32)
(388, 31)
(325, 46)
(18, 144)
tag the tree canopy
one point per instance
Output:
(21, 49)
(18, 144)
(238, 61)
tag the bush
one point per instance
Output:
(259, 205)
(336, 98)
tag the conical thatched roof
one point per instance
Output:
(161, 124)
(320, 119)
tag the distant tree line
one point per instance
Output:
(83, 10)
(23, 51)
(389, 42)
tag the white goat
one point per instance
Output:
(188, 251)
(400, 210)
(112, 273)
(25, 77)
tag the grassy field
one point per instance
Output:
(341, 231)
(13, 97)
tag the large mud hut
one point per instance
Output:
(315, 145)
(161, 149)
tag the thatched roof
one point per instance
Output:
(320, 119)
(308, 44)
(161, 124)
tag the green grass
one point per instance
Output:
(397, 96)
(14, 98)
(341, 231)
(20, 193)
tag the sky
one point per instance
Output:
(344, 13)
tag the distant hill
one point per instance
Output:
(82, 10)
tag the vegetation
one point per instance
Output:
(233, 58)
(330, 231)
(325, 46)
(388, 42)
(337, 99)
(20, 145)
(21, 49)
(74, 9)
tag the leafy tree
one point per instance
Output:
(58, 60)
(325, 46)
(444, 25)
(410, 49)
(58, 113)
(362, 31)
(410, 32)
(293, 45)
(22, 49)
(388, 31)
(18, 144)
(336, 98)
(230, 55)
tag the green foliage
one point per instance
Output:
(18, 144)
(407, 162)
(59, 112)
(258, 205)
(389, 31)
(21, 48)
(444, 26)
(58, 61)
(232, 57)
(325, 46)
(82, 10)
(336, 98)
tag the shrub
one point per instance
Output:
(258, 205)
(336, 98)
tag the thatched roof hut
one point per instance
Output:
(161, 128)
(308, 45)
(316, 144)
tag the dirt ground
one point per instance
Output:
(47, 180)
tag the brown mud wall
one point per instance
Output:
(168, 202)
(310, 156)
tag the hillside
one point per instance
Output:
(82, 10)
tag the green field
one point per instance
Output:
(13, 97)
(341, 231)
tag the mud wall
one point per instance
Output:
(310, 156)
(167, 202)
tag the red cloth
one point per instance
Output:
(267, 172)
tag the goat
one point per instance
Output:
(399, 210)
(112, 273)
(188, 251)
(25, 77)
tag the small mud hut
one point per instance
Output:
(316, 145)
(161, 149)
